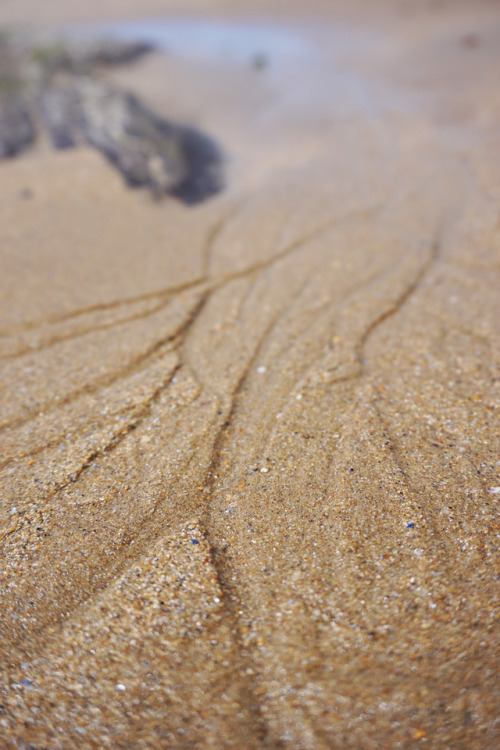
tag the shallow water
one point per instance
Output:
(304, 66)
(217, 41)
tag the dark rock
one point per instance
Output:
(57, 111)
(17, 131)
(144, 148)
(148, 150)
(78, 107)
(203, 175)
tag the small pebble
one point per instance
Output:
(419, 734)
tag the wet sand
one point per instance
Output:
(250, 465)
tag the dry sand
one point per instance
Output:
(250, 460)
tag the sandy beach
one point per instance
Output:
(249, 448)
